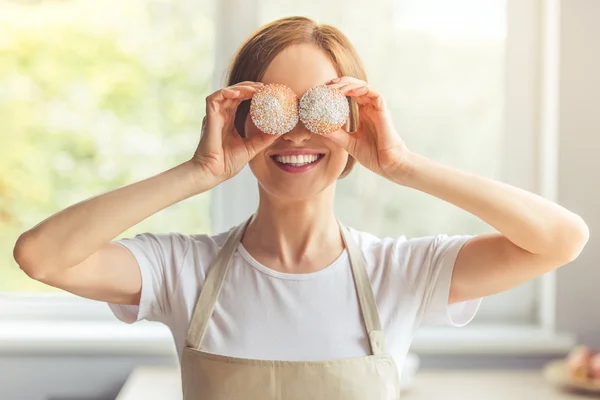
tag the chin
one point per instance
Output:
(293, 187)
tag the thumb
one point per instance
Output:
(258, 143)
(341, 138)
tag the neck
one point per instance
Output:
(295, 233)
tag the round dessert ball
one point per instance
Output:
(274, 109)
(323, 109)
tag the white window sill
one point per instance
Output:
(492, 340)
(151, 339)
(85, 337)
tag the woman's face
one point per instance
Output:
(299, 67)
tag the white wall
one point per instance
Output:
(579, 159)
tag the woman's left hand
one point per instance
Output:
(375, 144)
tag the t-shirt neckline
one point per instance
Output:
(329, 269)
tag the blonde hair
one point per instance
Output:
(256, 53)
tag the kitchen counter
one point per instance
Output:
(488, 385)
(163, 383)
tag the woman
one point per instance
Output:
(292, 304)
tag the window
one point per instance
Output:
(98, 95)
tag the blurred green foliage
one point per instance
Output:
(85, 110)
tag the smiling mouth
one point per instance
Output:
(297, 160)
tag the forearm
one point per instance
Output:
(531, 222)
(71, 235)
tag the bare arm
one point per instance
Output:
(72, 249)
(534, 235)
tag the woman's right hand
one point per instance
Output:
(222, 151)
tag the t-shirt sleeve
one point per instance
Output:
(428, 264)
(160, 258)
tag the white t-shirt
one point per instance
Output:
(265, 314)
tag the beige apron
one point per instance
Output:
(208, 376)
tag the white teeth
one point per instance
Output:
(297, 160)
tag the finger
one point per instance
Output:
(233, 97)
(347, 79)
(365, 123)
(243, 92)
(229, 93)
(346, 87)
(337, 85)
(364, 94)
(218, 105)
(229, 98)
(341, 85)
(247, 83)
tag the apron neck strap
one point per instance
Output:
(216, 275)
(212, 287)
(366, 299)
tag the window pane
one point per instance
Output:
(440, 66)
(96, 95)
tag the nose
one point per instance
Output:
(298, 135)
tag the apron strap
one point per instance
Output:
(212, 287)
(364, 291)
